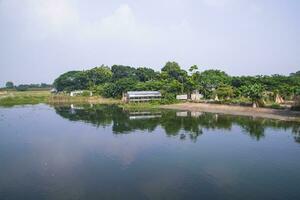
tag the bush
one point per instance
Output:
(296, 108)
(85, 94)
(168, 99)
(296, 105)
(275, 106)
(21, 88)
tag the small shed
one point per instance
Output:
(139, 96)
(182, 97)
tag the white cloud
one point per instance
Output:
(121, 24)
(61, 19)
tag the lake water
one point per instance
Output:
(104, 152)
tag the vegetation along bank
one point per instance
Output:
(109, 83)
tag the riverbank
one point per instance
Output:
(12, 98)
(286, 115)
(8, 99)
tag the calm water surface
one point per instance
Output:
(104, 152)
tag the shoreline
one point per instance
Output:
(10, 99)
(285, 115)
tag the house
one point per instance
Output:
(182, 97)
(196, 96)
(139, 96)
(53, 90)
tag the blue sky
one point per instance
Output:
(41, 39)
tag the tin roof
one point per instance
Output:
(144, 93)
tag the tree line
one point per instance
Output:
(25, 87)
(172, 80)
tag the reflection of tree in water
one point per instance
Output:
(296, 132)
(190, 124)
(98, 116)
(253, 126)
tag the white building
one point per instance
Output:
(138, 96)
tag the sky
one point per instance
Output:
(40, 39)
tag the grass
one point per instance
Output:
(11, 98)
(65, 99)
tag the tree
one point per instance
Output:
(121, 71)
(172, 79)
(145, 74)
(295, 74)
(193, 68)
(69, 81)
(214, 78)
(224, 91)
(9, 84)
(173, 87)
(116, 89)
(209, 80)
(254, 92)
(99, 75)
(173, 71)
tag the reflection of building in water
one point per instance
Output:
(196, 114)
(182, 114)
(74, 108)
(144, 115)
(189, 114)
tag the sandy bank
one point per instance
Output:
(286, 115)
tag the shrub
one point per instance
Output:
(85, 94)
(296, 105)
(168, 98)
(275, 106)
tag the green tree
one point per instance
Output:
(295, 74)
(145, 74)
(209, 80)
(193, 68)
(72, 80)
(99, 75)
(121, 71)
(9, 84)
(120, 86)
(254, 92)
(173, 71)
(224, 91)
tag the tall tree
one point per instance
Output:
(145, 74)
(254, 92)
(9, 84)
(121, 71)
(99, 75)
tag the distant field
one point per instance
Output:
(4, 94)
(10, 98)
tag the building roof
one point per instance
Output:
(144, 94)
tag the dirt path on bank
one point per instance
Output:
(286, 115)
